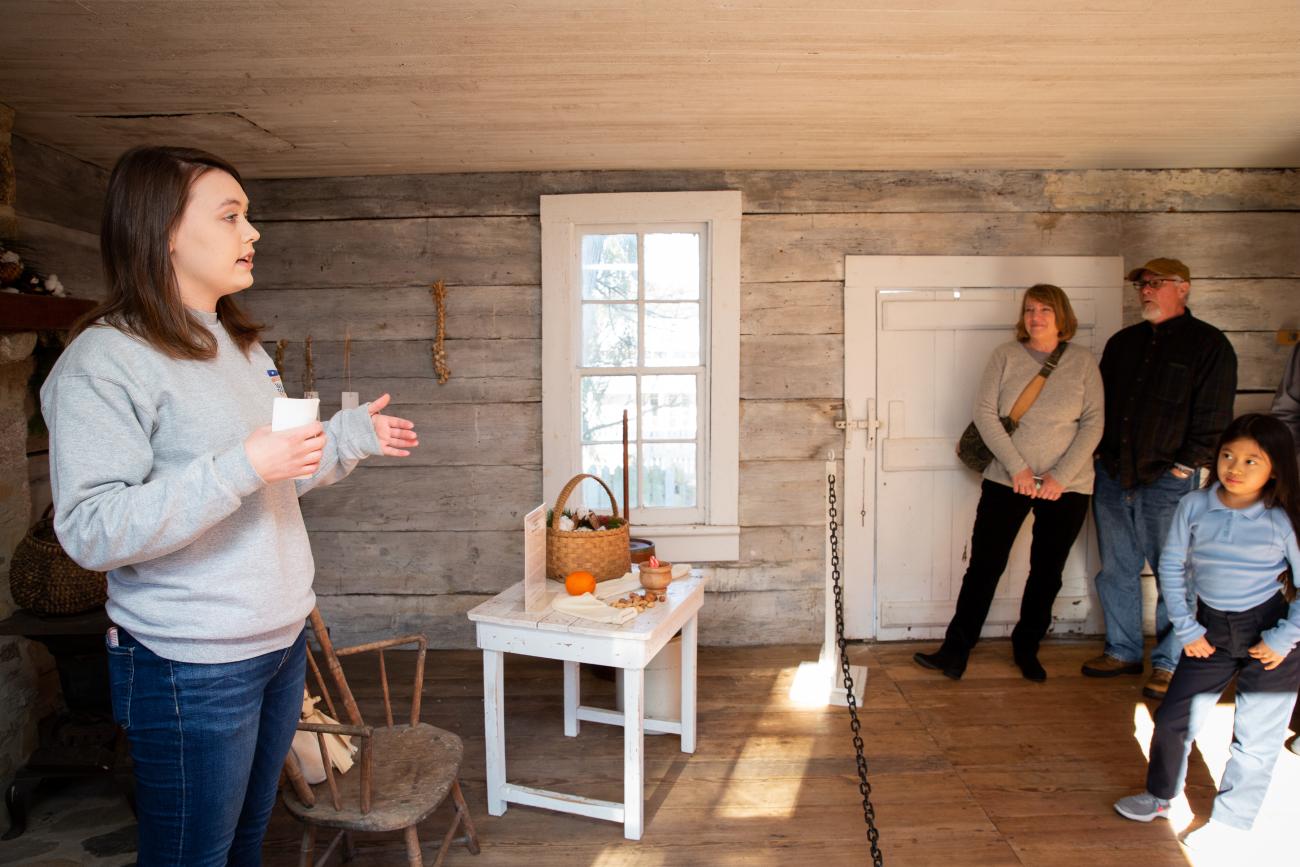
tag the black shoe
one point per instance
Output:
(939, 662)
(1030, 667)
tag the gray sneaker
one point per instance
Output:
(1143, 807)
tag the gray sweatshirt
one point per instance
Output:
(1061, 430)
(206, 562)
(1286, 403)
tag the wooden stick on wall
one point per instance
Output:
(440, 367)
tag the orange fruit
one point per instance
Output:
(578, 583)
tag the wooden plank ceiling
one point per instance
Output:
(293, 88)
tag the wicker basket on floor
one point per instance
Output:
(603, 553)
(44, 579)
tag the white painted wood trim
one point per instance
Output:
(572, 686)
(494, 724)
(867, 282)
(616, 718)
(560, 802)
(721, 212)
(690, 643)
(953, 313)
(633, 752)
(693, 543)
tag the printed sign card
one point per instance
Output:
(535, 595)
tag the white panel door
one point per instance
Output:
(918, 333)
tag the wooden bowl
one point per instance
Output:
(656, 577)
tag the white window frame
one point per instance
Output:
(564, 220)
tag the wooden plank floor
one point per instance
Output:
(993, 770)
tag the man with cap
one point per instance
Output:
(1170, 381)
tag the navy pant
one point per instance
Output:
(1264, 703)
(208, 742)
(998, 519)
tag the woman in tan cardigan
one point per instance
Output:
(1045, 467)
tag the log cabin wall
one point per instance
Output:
(59, 200)
(43, 196)
(412, 545)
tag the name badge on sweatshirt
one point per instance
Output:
(275, 380)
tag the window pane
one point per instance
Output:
(669, 474)
(608, 335)
(672, 334)
(668, 407)
(609, 267)
(672, 266)
(603, 400)
(606, 463)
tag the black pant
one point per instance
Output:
(998, 519)
(1264, 703)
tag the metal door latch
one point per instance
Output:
(870, 424)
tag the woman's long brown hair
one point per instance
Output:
(147, 193)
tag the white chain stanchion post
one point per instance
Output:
(821, 683)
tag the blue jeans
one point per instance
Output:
(1132, 526)
(208, 742)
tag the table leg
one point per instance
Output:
(633, 752)
(571, 699)
(494, 718)
(690, 636)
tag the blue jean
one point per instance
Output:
(1132, 526)
(208, 742)
(1265, 700)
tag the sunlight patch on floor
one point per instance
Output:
(630, 855)
(1272, 841)
(811, 685)
(777, 797)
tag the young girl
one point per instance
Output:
(166, 474)
(1237, 537)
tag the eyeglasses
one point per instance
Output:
(1154, 283)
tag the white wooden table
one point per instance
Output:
(502, 626)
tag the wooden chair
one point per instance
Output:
(402, 774)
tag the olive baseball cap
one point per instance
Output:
(1163, 268)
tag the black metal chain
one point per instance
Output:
(864, 785)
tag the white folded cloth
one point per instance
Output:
(618, 586)
(589, 607)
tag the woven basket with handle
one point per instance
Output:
(603, 553)
(44, 579)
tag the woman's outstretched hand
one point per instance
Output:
(396, 435)
(285, 454)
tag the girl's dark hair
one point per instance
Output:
(147, 193)
(1053, 296)
(1283, 490)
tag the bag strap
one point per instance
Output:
(1030, 394)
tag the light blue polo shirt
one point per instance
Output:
(1232, 558)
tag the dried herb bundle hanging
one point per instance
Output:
(440, 367)
(309, 369)
(347, 358)
(280, 346)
